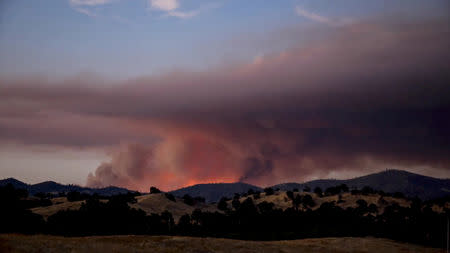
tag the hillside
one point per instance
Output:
(158, 203)
(281, 200)
(150, 203)
(213, 192)
(155, 244)
(390, 181)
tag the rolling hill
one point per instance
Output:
(213, 192)
(391, 181)
(53, 187)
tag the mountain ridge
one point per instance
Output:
(54, 187)
(408, 183)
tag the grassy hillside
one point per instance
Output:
(159, 244)
(281, 200)
(158, 203)
(150, 203)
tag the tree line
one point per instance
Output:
(240, 220)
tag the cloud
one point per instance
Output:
(85, 12)
(82, 6)
(165, 5)
(171, 8)
(361, 98)
(89, 2)
(321, 19)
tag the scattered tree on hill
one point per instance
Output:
(297, 201)
(340, 200)
(170, 197)
(188, 200)
(372, 208)
(184, 225)
(269, 191)
(307, 189)
(361, 203)
(290, 195)
(308, 201)
(74, 196)
(222, 205)
(355, 192)
(199, 200)
(265, 207)
(235, 203)
(295, 190)
(167, 219)
(318, 191)
(154, 190)
(366, 190)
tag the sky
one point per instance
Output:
(171, 93)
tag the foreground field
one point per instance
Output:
(42, 243)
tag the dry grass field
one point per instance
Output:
(280, 200)
(158, 203)
(168, 244)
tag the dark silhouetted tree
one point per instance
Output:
(269, 191)
(236, 203)
(188, 200)
(154, 190)
(222, 205)
(318, 191)
(290, 195)
(170, 197)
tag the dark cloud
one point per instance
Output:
(365, 95)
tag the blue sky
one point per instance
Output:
(128, 38)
